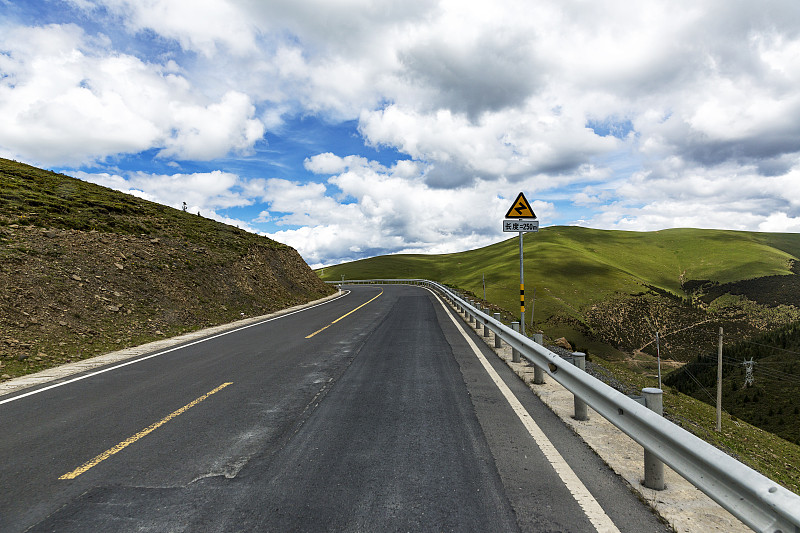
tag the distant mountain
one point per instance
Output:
(85, 269)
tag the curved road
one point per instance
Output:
(371, 412)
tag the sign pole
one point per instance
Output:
(521, 286)
(719, 383)
(526, 221)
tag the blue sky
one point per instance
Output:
(350, 128)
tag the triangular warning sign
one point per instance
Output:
(521, 208)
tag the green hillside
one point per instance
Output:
(591, 285)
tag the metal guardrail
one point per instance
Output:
(756, 500)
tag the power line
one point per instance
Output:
(779, 376)
(713, 400)
(772, 347)
(769, 373)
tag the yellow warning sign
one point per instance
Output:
(521, 208)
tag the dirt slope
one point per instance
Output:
(85, 270)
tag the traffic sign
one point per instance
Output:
(521, 225)
(525, 222)
(520, 209)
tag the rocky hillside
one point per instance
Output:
(86, 270)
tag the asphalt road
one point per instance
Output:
(368, 413)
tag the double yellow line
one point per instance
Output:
(341, 317)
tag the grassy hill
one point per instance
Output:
(609, 291)
(85, 270)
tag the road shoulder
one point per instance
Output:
(64, 371)
(530, 480)
(681, 505)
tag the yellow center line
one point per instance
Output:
(124, 444)
(341, 317)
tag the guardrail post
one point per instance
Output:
(653, 467)
(581, 409)
(497, 342)
(515, 357)
(538, 372)
(486, 323)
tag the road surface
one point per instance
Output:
(371, 412)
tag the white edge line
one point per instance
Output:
(182, 346)
(594, 512)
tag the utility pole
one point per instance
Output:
(719, 383)
(658, 356)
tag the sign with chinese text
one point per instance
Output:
(521, 225)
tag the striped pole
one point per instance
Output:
(521, 286)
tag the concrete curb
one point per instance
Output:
(684, 507)
(59, 372)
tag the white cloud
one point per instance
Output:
(515, 144)
(639, 115)
(780, 223)
(329, 163)
(682, 194)
(200, 26)
(200, 191)
(389, 211)
(204, 133)
(65, 100)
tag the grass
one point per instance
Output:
(36, 197)
(570, 268)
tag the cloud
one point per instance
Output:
(202, 193)
(511, 144)
(329, 163)
(204, 133)
(66, 100)
(206, 27)
(623, 115)
(489, 73)
(205, 191)
(387, 210)
(684, 194)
